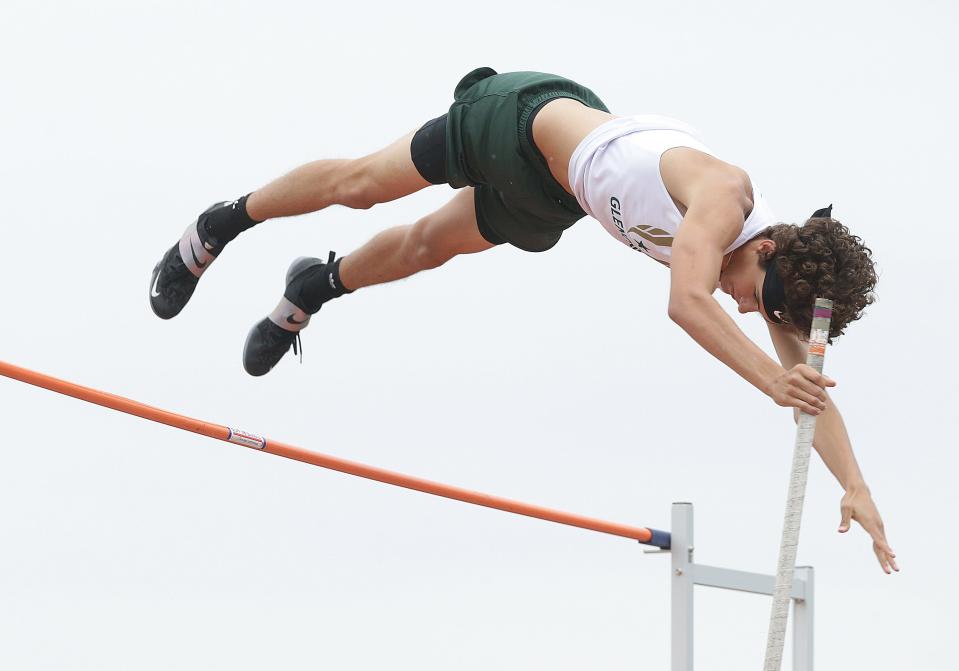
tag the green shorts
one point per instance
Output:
(489, 147)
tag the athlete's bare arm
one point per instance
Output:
(716, 198)
(834, 447)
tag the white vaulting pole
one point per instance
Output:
(818, 336)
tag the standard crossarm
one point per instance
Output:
(642, 534)
(743, 581)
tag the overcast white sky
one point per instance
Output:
(554, 378)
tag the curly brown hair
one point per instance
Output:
(822, 258)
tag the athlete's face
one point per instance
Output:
(744, 274)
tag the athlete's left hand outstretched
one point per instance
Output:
(857, 504)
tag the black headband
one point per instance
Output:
(774, 293)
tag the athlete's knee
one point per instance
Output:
(356, 188)
(426, 248)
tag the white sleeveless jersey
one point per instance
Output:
(614, 174)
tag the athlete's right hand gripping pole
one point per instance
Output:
(818, 337)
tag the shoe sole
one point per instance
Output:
(246, 347)
(158, 310)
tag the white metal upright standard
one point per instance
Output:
(803, 620)
(685, 574)
(681, 550)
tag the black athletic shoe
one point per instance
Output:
(273, 336)
(176, 275)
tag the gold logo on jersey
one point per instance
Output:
(657, 236)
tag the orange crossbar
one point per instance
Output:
(641, 534)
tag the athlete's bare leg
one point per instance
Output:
(405, 250)
(359, 183)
